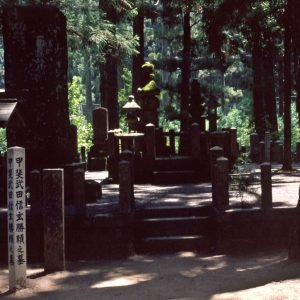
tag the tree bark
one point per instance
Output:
(88, 84)
(258, 99)
(138, 59)
(287, 155)
(109, 73)
(269, 88)
(186, 67)
(109, 90)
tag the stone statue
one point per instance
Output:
(146, 97)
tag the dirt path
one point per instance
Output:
(181, 276)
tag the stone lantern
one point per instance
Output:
(132, 108)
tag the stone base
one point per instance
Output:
(93, 191)
(97, 164)
(68, 180)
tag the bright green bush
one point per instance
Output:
(84, 128)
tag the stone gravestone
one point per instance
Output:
(36, 63)
(97, 159)
(197, 105)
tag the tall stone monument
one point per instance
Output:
(35, 50)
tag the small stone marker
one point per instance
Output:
(266, 186)
(54, 220)
(220, 183)
(16, 217)
(267, 146)
(195, 140)
(126, 188)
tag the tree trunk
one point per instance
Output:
(185, 68)
(280, 86)
(109, 73)
(287, 155)
(258, 100)
(138, 59)
(269, 88)
(109, 90)
(88, 84)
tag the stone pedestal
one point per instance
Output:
(148, 113)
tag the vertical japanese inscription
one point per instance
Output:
(16, 217)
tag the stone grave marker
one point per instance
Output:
(16, 217)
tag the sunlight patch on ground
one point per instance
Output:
(187, 254)
(123, 281)
(192, 273)
(284, 290)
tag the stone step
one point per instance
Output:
(172, 244)
(174, 211)
(172, 226)
(174, 163)
(173, 177)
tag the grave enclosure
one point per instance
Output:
(36, 77)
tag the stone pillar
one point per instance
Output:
(266, 186)
(128, 155)
(126, 188)
(195, 140)
(54, 220)
(113, 155)
(254, 147)
(220, 182)
(214, 153)
(150, 150)
(35, 189)
(16, 217)
(261, 151)
(172, 141)
(150, 142)
(267, 146)
(36, 66)
(79, 193)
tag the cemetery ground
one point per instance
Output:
(184, 275)
(245, 274)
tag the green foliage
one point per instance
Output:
(295, 127)
(238, 116)
(84, 128)
(3, 141)
(123, 94)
